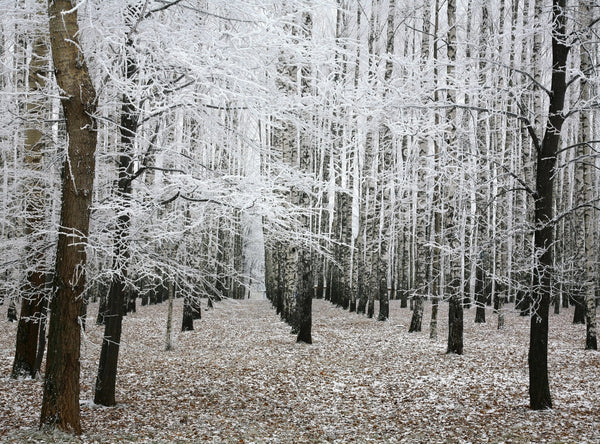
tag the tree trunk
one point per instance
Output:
(417, 315)
(169, 336)
(33, 293)
(60, 404)
(579, 307)
(435, 303)
(480, 295)
(41, 347)
(187, 320)
(539, 389)
(28, 327)
(11, 313)
(455, 319)
(587, 181)
(304, 297)
(116, 300)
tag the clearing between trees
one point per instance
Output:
(241, 377)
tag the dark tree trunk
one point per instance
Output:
(102, 308)
(60, 403)
(579, 312)
(371, 299)
(539, 389)
(455, 319)
(118, 293)
(523, 302)
(480, 296)
(131, 297)
(480, 313)
(11, 314)
(319, 293)
(28, 328)
(403, 298)
(187, 321)
(416, 320)
(304, 298)
(107, 369)
(352, 307)
(33, 292)
(384, 302)
(361, 307)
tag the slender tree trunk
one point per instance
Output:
(60, 404)
(305, 279)
(41, 347)
(436, 228)
(33, 293)
(455, 319)
(169, 335)
(539, 389)
(417, 316)
(587, 180)
(480, 295)
(113, 317)
(11, 313)
(455, 312)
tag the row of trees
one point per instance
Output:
(362, 150)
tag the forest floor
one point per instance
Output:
(240, 377)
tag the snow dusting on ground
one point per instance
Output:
(241, 378)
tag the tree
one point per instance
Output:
(60, 404)
(586, 181)
(539, 389)
(113, 317)
(33, 294)
(455, 311)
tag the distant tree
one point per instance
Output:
(189, 314)
(480, 293)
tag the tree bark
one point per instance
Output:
(60, 404)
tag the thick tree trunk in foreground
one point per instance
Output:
(60, 404)
(539, 389)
